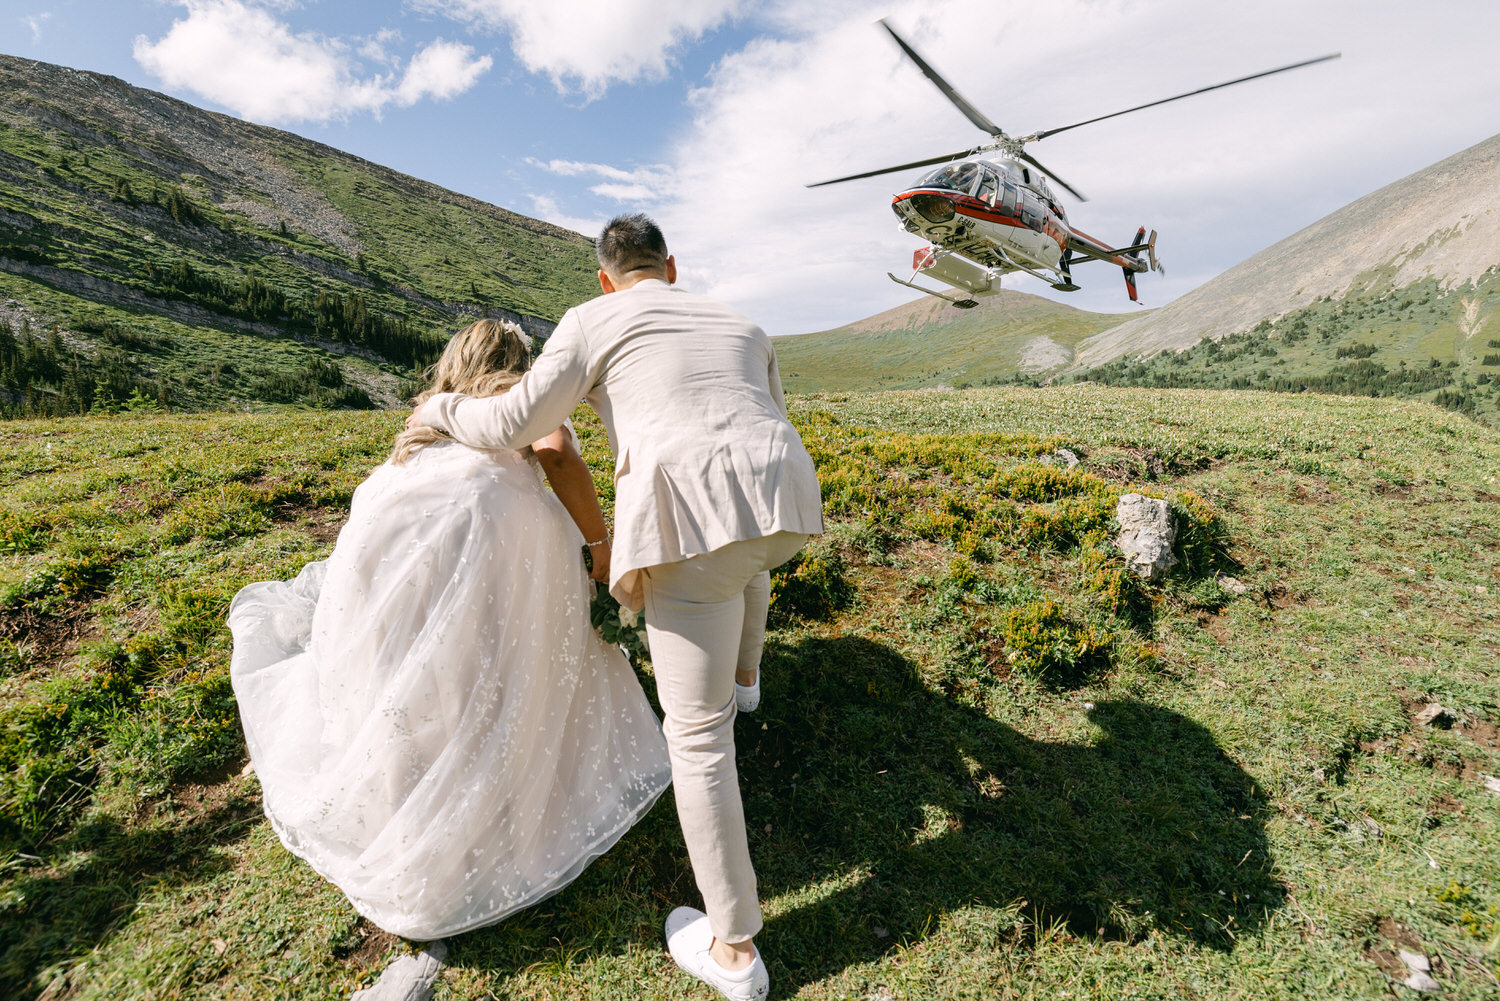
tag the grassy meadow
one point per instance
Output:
(928, 343)
(990, 763)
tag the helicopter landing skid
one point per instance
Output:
(1066, 285)
(960, 303)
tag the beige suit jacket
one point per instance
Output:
(690, 396)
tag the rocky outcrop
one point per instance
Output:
(1146, 535)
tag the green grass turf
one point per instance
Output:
(988, 764)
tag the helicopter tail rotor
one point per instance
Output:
(1134, 253)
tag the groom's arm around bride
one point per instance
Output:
(712, 489)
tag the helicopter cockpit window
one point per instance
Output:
(955, 176)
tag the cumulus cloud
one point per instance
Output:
(1221, 176)
(239, 55)
(441, 70)
(588, 45)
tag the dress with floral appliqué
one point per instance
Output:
(436, 728)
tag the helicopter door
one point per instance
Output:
(988, 184)
(1031, 210)
(1008, 199)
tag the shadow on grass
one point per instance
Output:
(94, 877)
(925, 806)
(1148, 828)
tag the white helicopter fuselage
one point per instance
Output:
(986, 218)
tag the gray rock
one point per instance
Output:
(409, 978)
(1146, 535)
(1231, 584)
(1415, 961)
(1420, 981)
(1493, 785)
(1436, 715)
(1064, 457)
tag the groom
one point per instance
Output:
(712, 489)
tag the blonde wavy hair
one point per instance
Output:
(484, 359)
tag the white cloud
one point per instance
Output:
(1221, 175)
(641, 185)
(239, 55)
(36, 22)
(624, 192)
(590, 45)
(375, 47)
(441, 70)
(547, 208)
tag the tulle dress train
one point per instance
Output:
(436, 728)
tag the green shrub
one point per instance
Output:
(1121, 592)
(1202, 543)
(24, 533)
(1042, 644)
(68, 579)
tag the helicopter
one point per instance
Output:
(985, 217)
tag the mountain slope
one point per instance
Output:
(1393, 295)
(153, 238)
(1439, 225)
(929, 343)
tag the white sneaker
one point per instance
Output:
(747, 697)
(688, 939)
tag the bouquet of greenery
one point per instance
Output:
(618, 625)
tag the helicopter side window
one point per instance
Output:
(1008, 199)
(1030, 210)
(988, 185)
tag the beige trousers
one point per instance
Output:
(706, 616)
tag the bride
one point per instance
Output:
(437, 729)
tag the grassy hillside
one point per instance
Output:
(199, 261)
(929, 343)
(1423, 341)
(990, 763)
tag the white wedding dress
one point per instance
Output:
(437, 729)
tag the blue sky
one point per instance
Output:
(713, 115)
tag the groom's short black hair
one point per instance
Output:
(631, 242)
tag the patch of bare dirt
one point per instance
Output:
(1445, 804)
(1398, 934)
(1480, 731)
(1312, 492)
(1214, 625)
(49, 639)
(366, 946)
(1277, 597)
(1398, 492)
(1129, 465)
(214, 790)
(321, 524)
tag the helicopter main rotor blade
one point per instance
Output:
(1061, 183)
(970, 112)
(1191, 93)
(905, 166)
